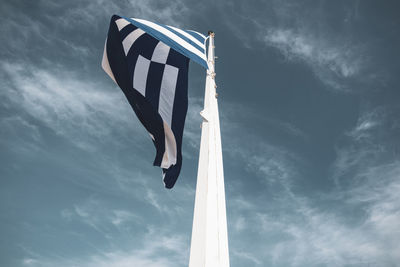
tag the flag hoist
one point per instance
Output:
(209, 245)
(149, 62)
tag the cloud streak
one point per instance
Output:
(332, 63)
(290, 227)
(69, 106)
(303, 33)
(151, 254)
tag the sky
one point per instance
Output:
(310, 124)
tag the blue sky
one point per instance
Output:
(309, 105)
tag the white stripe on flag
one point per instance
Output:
(165, 109)
(160, 53)
(140, 74)
(189, 36)
(167, 93)
(130, 39)
(169, 157)
(106, 65)
(202, 35)
(173, 37)
(121, 23)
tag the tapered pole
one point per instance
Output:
(209, 245)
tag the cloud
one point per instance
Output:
(78, 110)
(367, 124)
(274, 166)
(306, 235)
(355, 223)
(29, 262)
(54, 20)
(371, 142)
(121, 217)
(310, 49)
(192, 130)
(247, 256)
(152, 198)
(19, 135)
(239, 223)
(158, 250)
(152, 245)
(296, 228)
(375, 177)
(331, 62)
(331, 237)
(339, 56)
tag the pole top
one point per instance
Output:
(211, 33)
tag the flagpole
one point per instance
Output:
(209, 244)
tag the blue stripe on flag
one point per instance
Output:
(127, 30)
(201, 49)
(196, 35)
(153, 83)
(168, 41)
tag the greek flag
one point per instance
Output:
(149, 62)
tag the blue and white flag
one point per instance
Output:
(149, 62)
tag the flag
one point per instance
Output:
(149, 62)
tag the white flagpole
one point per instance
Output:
(209, 245)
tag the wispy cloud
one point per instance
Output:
(193, 124)
(304, 235)
(331, 62)
(75, 109)
(26, 136)
(85, 15)
(291, 227)
(103, 219)
(247, 256)
(302, 32)
(369, 143)
(274, 166)
(368, 123)
(158, 250)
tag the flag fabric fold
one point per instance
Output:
(150, 62)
